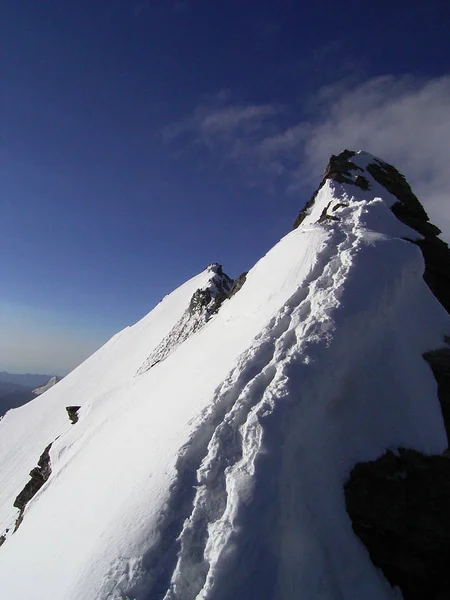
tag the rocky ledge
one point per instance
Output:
(72, 412)
(39, 475)
(399, 506)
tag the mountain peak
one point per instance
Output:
(366, 178)
(362, 169)
(212, 444)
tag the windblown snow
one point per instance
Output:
(217, 472)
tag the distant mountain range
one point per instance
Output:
(43, 388)
(25, 379)
(17, 389)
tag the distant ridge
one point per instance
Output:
(26, 379)
(43, 388)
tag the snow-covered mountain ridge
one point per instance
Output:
(204, 303)
(43, 388)
(212, 446)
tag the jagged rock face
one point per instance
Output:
(409, 210)
(439, 361)
(39, 475)
(209, 300)
(238, 283)
(340, 169)
(72, 411)
(399, 507)
(203, 305)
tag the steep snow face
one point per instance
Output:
(218, 472)
(43, 388)
(27, 431)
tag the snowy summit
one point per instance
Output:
(209, 445)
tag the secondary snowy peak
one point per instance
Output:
(50, 415)
(205, 302)
(219, 472)
(43, 388)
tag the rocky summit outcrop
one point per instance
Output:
(204, 303)
(407, 209)
(341, 169)
(400, 504)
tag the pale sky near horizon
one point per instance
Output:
(141, 141)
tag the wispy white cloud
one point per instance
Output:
(234, 134)
(403, 120)
(221, 125)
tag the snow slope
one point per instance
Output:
(218, 472)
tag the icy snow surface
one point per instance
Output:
(218, 473)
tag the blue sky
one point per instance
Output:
(143, 140)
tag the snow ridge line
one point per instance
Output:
(303, 325)
(221, 455)
(203, 305)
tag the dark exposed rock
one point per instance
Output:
(204, 300)
(238, 283)
(39, 475)
(340, 169)
(72, 411)
(436, 254)
(210, 300)
(306, 209)
(396, 184)
(203, 305)
(362, 182)
(409, 210)
(439, 361)
(400, 509)
(340, 205)
(325, 216)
